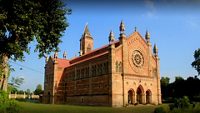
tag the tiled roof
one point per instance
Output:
(63, 62)
(90, 55)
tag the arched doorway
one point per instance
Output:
(148, 96)
(131, 97)
(140, 93)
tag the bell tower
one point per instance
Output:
(86, 42)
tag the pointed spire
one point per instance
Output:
(86, 31)
(155, 50)
(56, 55)
(64, 55)
(122, 27)
(147, 36)
(111, 37)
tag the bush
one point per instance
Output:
(3, 97)
(12, 107)
(171, 106)
(182, 103)
(160, 110)
(6, 105)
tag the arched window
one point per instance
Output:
(78, 74)
(89, 48)
(117, 66)
(120, 67)
(95, 70)
(92, 70)
(101, 69)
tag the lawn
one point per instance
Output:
(27, 107)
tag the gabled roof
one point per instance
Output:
(63, 62)
(92, 54)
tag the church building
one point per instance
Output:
(124, 72)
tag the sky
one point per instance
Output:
(174, 26)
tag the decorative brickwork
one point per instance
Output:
(121, 73)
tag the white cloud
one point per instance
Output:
(151, 9)
(150, 4)
(193, 22)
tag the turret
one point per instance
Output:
(64, 55)
(111, 37)
(135, 29)
(122, 29)
(155, 50)
(86, 41)
(147, 37)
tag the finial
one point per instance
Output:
(155, 50)
(122, 27)
(56, 55)
(135, 29)
(64, 55)
(111, 37)
(80, 53)
(147, 36)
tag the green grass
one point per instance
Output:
(27, 107)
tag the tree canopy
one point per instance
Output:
(24, 21)
(196, 62)
(164, 83)
(181, 87)
(38, 89)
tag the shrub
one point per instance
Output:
(6, 105)
(3, 97)
(160, 110)
(12, 107)
(171, 106)
(181, 103)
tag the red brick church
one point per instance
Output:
(124, 72)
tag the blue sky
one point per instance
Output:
(174, 26)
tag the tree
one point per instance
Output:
(164, 87)
(23, 21)
(178, 79)
(38, 89)
(15, 83)
(164, 81)
(28, 91)
(196, 62)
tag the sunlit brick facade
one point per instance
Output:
(122, 73)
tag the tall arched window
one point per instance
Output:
(120, 67)
(117, 66)
(89, 48)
